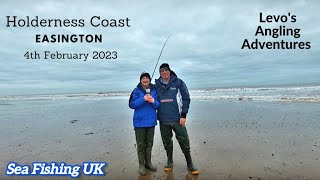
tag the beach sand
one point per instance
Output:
(229, 139)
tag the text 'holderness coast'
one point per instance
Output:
(94, 21)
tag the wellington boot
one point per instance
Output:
(142, 170)
(140, 136)
(148, 162)
(149, 144)
(151, 167)
(169, 165)
(190, 164)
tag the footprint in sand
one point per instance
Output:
(73, 121)
(88, 133)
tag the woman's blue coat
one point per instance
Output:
(145, 114)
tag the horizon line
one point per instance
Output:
(208, 88)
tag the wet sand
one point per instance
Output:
(229, 140)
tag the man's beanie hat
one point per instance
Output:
(145, 74)
(165, 65)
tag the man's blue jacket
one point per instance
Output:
(174, 99)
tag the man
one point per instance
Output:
(172, 113)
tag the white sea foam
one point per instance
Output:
(307, 94)
(300, 94)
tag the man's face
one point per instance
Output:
(145, 81)
(165, 73)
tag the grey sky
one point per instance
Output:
(204, 50)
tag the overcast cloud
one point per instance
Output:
(204, 49)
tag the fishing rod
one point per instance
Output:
(160, 56)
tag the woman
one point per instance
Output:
(144, 101)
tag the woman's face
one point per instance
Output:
(145, 81)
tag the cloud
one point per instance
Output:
(204, 50)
